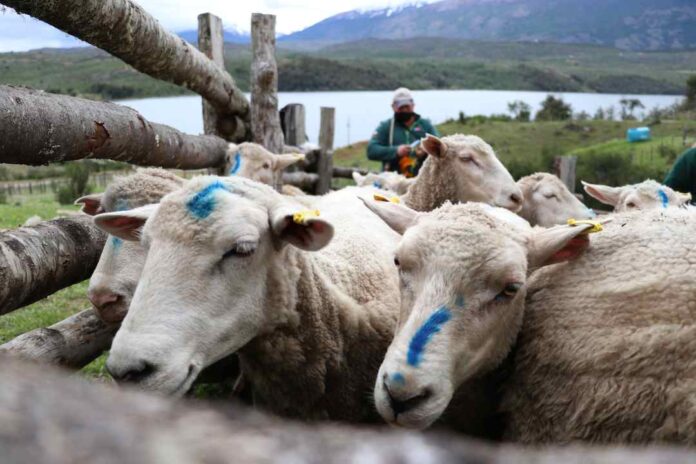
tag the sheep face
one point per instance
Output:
(212, 246)
(391, 181)
(638, 197)
(113, 282)
(254, 162)
(463, 272)
(476, 171)
(548, 202)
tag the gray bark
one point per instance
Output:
(48, 417)
(304, 180)
(265, 121)
(347, 173)
(326, 140)
(39, 128)
(127, 31)
(564, 169)
(37, 261)
(293, 122)
(73, 342)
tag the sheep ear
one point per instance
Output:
(683, 198)
(397, 216)
(304, 229)
(91, 204)
(604, 193)
(125, 224)
(557, 244)
(358, 178)
(283, 161)
(434, 146)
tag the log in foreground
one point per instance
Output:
(38, 128)
(40, 260)
(73, 342)
(127, 31)
(48, 417)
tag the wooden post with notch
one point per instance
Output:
(326, 141)
(265, 120)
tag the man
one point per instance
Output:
(682, 176)
(396, 141)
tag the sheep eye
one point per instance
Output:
(630, 204)
(241, 250)
(509, 291)
(266, 165)
(396, 262)
(550, 195)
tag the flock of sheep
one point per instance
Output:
(438, 306)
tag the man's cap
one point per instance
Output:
(402, 96)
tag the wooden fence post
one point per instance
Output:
(211, 42)
(326, 141)
(564, 168)
(293, 124)
(265, 120)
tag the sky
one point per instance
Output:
(21, 32)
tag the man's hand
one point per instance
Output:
(403, 150)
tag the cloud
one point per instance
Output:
(20, 32)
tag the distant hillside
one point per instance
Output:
(230, 35)
(375, 64)
(624, 24)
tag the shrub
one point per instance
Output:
(78, 178)
(3, 197)
(554, 109)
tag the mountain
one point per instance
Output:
(624, 24)
(230, 35)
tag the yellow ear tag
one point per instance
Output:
(596, 226)
(301, 217)
(379, 197)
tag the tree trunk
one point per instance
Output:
(49, 417)
(293, 124)
(265, 120)
(73, 342)
(346, 172)
(39, 128)
(304, 180)
(127, 31)
(326, 140)
(37, 261)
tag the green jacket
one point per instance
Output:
(389, 135)
(682, 177)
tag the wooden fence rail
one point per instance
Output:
(127, 31)
(38, 128)
(38, 261)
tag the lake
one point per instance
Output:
(358, 113)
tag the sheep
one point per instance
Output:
(643, 196)
(254, 162)
(606, 350)
(461, 168)
(391, 181)
(548, 202)
(114, 280)
(308, 300)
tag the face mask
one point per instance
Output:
(403, 116)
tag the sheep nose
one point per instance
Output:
(133, 372)
(403, 401)
(516, 198)
(108, 305)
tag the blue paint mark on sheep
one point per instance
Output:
(237, 164)
(116, 243)
(121, 204)
(663, 198)
(203, 203)
(377, 184)
(591, 213)
(399, 378)
(429, 328)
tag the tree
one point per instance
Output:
(599, 114)
(628, 106)
(521, 111)
(554, 109)
(690, 103)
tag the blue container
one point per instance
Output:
(638, 134)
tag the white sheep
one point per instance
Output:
(308, 300)
(643, 196)
(461, 168)
(390, 181)
(254, 162)
(548, 202)
(114, 280)
(606, 351)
